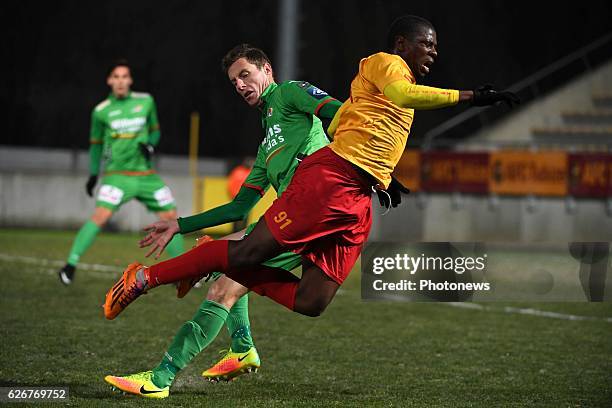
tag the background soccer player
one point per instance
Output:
(292, 131)
(125, 128)
(324, 214)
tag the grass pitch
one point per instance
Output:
(357, 354)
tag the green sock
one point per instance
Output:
(176, 246)
(83, 240)
(193, 336)
(238, 325)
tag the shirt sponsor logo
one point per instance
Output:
(128, 125)
(316, 92)
(273, 137)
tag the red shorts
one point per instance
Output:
(324, 214)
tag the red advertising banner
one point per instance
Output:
(446, 172)
(524, 172)
(590, 174)
(408, 170)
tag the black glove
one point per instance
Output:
(486, 95)
(91, 184)
(147, 150)
(392, 196)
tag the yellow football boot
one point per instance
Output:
(233, 364)
(138, 384)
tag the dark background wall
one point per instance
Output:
(55, 56)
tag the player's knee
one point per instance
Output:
(99, 221)
(101, 216)
(221, 295)
(312, 310)
(214, 293)
(167, 215)
(311, 307)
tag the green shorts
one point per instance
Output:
(118, 189)
(287, 260)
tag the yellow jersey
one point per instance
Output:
(370, 130)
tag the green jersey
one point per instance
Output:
(291, 128)
(120, 125)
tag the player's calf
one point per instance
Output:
(184, 286)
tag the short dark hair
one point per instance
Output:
(120, 62)
(408, 27)
(252, 54)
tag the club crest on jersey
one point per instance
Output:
(303, 84)
(270, 111)
(316, 92)
(137, 108)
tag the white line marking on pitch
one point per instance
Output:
(94, 269)
(48, 271)
(55, 263)
(526, 311)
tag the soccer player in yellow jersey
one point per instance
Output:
(372, 126)
(324, 214)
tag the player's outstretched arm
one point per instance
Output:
(160, 233)
(408, 95)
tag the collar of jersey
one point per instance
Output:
(113, 98)
(266, 93)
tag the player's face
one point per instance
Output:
(249, 81)
(120, 81)
(421, 52)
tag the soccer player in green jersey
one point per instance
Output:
(292, 131)
(124, 128)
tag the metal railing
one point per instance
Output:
(528, 88)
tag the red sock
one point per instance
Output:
(206, 258)
(276, 283)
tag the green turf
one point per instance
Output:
(357, 354)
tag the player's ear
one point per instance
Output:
(267, 69)
(400, 43)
